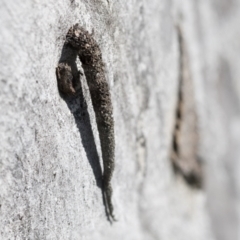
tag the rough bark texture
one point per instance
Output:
(50, 154)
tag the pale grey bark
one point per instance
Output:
(50, 150)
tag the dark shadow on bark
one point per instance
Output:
(78, 107)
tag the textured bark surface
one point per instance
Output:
(50, 154)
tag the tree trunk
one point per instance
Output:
(172, 68)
